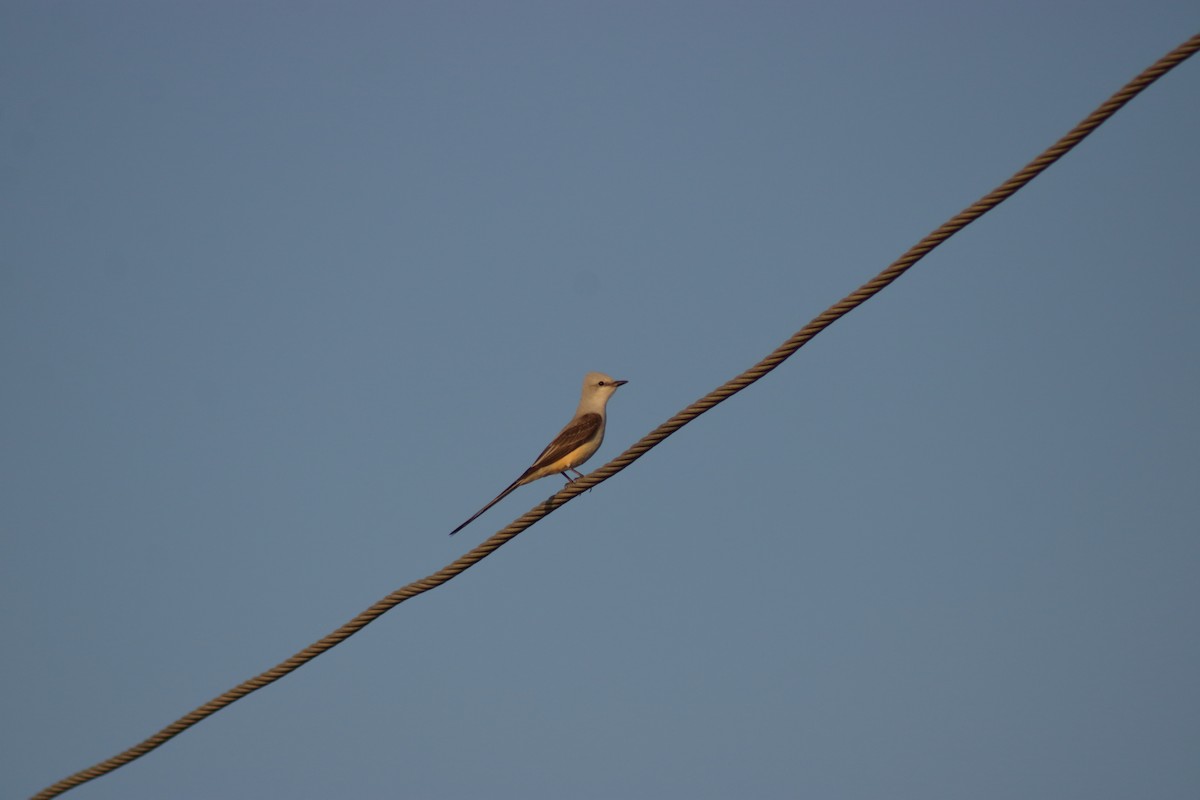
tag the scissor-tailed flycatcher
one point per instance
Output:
(574, 444)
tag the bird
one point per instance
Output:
(573, 445)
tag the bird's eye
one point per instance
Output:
(600, 383)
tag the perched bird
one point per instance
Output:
(574, 444)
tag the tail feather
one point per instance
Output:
(499, 497)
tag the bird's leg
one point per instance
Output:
(571, 480)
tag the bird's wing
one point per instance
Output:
(578, 432)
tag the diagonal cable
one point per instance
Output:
(656, 436)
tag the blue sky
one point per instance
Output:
(287, 291)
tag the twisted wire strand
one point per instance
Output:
(656, 436)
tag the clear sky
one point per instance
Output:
(289, 290)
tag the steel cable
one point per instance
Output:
(656, 436)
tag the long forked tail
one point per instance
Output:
(499, 497)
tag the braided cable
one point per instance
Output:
(656, 436)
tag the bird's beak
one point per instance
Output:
(620, 383)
